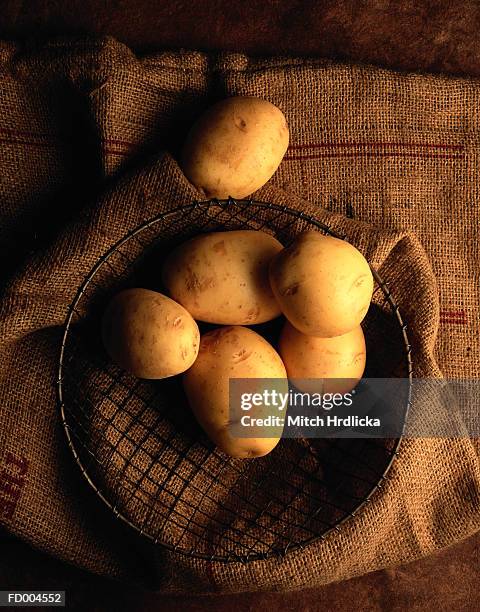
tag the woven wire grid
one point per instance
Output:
(140, 449)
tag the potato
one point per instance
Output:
(234, 352)
(323, 285)
(223, 277)
(235, 147)
(338, 361)
(149, 334)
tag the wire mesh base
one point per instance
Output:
(140, 449)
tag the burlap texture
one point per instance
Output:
(401, 151)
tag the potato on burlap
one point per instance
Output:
(324, 285)
(222, 277)
(235, 147)
(234, 352)
(149, 334)
(325, 365)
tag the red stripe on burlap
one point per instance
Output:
(27, 143)
(453, 313)
(383, 145)
(453, 317)
(423, 150)
(120, 152)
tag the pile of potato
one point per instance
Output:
(321, 285)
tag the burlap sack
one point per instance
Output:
(398, 150)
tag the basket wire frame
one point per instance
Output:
(140, 450)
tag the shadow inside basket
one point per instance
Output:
(139, 445)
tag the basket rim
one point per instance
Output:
(336, 527)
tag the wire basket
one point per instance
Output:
(140, 449)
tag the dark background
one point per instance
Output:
(447, 581)
(433, 36)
